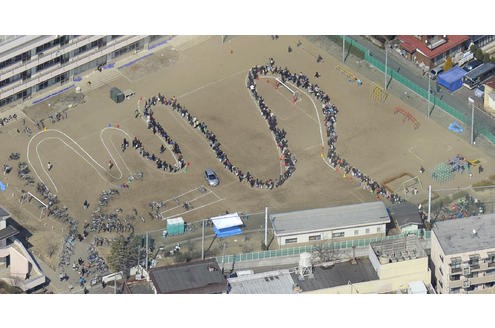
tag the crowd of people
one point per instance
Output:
(330, 113)
(156, 127)
(301, 81)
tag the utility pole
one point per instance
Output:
(429, 203)
(472, 120)
(429, 92)
(386, 64)
(147, 248)
(203, 241)
(343, 48)
(266, 227)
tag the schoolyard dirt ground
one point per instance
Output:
(208, 78)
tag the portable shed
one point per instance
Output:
(452, 79)
(175, 226)
(227, 225)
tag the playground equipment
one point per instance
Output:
(377, 94)
(407, 117)
(442, 173)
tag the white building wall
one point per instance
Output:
(348, 233)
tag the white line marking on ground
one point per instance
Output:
(98, 171)
(194, 209)
(414, 153)
(211, 83)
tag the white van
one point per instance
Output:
(435, 71)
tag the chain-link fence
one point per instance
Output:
(458, 203)
(421, 233)
(414, 94)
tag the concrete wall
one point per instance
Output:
(377, 286)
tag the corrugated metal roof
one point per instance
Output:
(272, 282)
(202, 277)
(456, 235)
(4, 213)
(329, 218)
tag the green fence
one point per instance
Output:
(426, 234)
(484, 126)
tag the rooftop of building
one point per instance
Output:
(271, 282)
(137, 287)
(466, 234)
(337, 275)
(398, 249)
(405, 214)
(200, 277)
(4, 213)
(8, 232)
(411, 43)
(329, 218)
(490, 82)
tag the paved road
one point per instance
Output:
(397, 63)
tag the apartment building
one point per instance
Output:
(463, 254)
(31, 63)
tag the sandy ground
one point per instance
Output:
(209, 79)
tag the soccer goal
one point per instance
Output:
(26, 200)
(412, 186)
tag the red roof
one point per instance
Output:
(410, 43)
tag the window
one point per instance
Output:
(290, 240)
(315, 237)
(356, 232)
(337, 234)
(474, 261)
(378, 229)
(491, 259)
(441, 271)
(455, 264)
(367, 230)
(440, 283)
(441, 258)
(455, 277)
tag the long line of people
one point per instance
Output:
(215, 145)
(156, 127)
(330, 113)
(301, 81)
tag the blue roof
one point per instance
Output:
(454, 74)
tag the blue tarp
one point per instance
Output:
(227, 232)
(2, 186)
(456, 127)
(452, 79)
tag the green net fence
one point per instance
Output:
(426, 234)
(483, 124)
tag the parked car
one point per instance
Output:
(435, 71)
(472, 65)
(211, 177)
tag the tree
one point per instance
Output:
(448, 64)
(123, 254)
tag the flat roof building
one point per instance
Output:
(340, 223)
(463, 254)
(272, 282)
